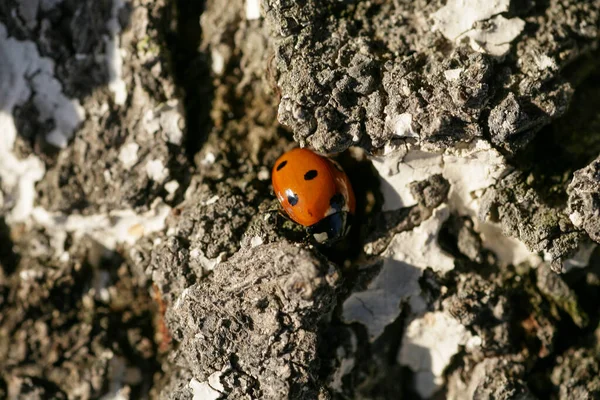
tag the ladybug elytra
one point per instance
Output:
(315, 192)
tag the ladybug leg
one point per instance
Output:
(272, 211)
(277, 213)
(284, 214)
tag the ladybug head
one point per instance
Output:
(331, 228)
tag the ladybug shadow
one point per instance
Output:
(191, 69)
(9, 259)
(564, 146)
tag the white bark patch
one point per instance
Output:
(256, 241)
(210, 390)
(171, 186)
(401, 125)
(406, 257)
(263, 174)
(218, 62)
(128, 155)
(150, 123)
(171, 122)
(209, 159)
(156, 170)
(17, 176)
(397, 173)
(211, 200)
(25, 75)
(114, 55)
(470, 171)
(453, 74)
(108, 229)
(208, 264)
(508, 249)
(479, 20)
(576, 218)
(544, 62)
(495, 38)
(428, 345)
(347, 363)
(252, 9)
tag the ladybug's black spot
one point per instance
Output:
(293, 200)
(292, 197)
(281, 165)
(312, 174)
(337, 201)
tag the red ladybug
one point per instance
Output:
(315, 192)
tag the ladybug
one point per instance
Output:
(315, 192)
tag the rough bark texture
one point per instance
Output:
(349, 69)
(142, 253)
(584, 199)
(256, 319)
